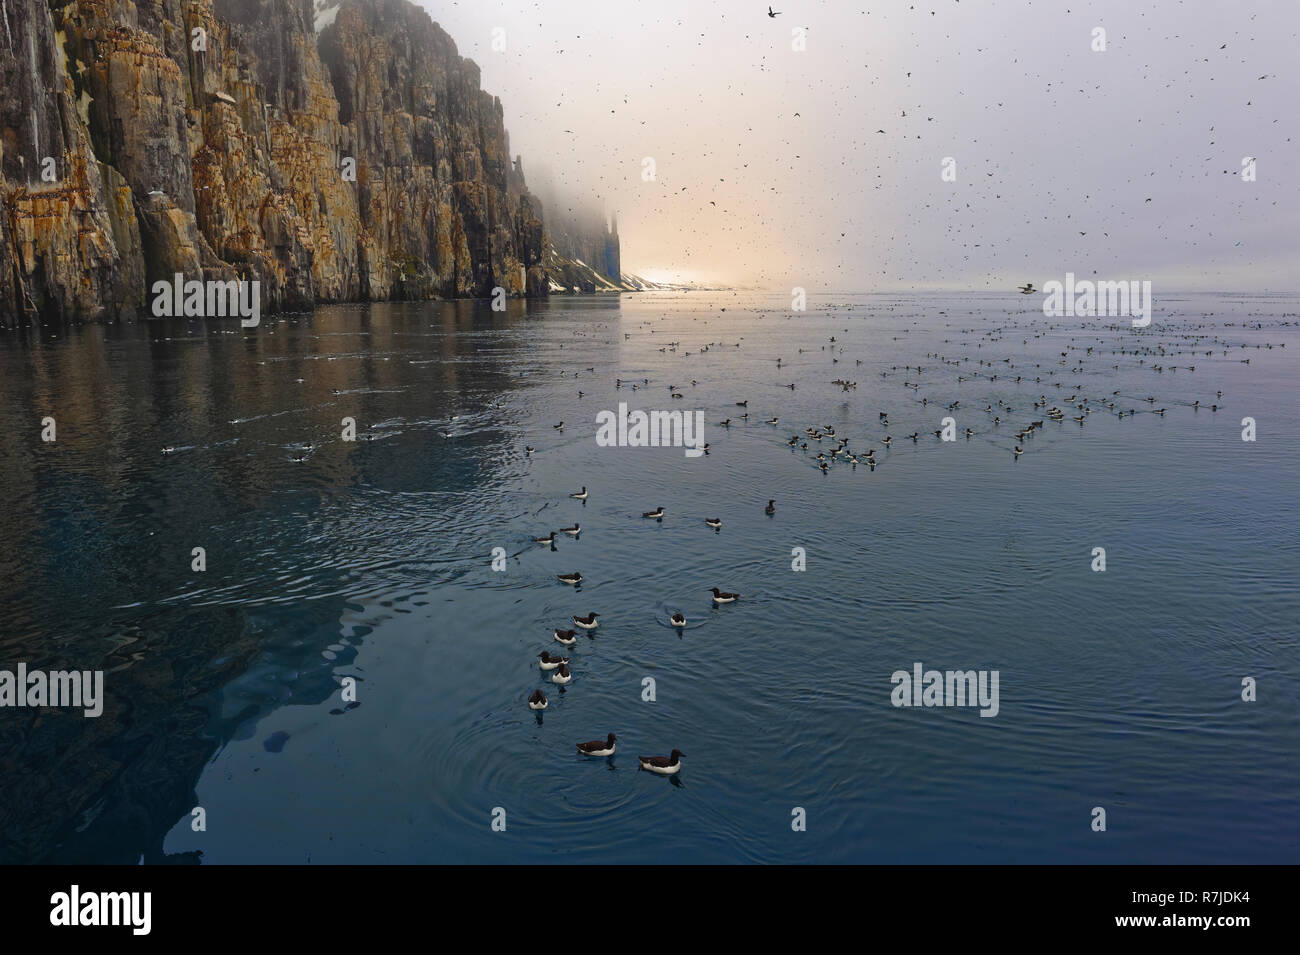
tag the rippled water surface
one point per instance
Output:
(373, 560)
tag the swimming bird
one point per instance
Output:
(566, 637)
(573, 531)
(529, 449)
(580, 495)
(677, 619)
(558, 427)
(538, 701)
(168, 450)
(588, 622)
(1017, 451)
(548, 662)
(655, 515)
(663, 765)
(1028, 289)
(773, 420)
(770, 509)
(714, 522)
(598, 747)
(548, 539)
(573, 578)
(562, 675)
(722, 597)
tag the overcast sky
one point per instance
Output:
(770, 169)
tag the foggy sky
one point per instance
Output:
(1049, 138)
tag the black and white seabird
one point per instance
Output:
(714, 522)
(573, 531)
(588, 622)
(598, 747)
(663, 765)
(562, 675)
(771, 508)
(656, 515)
(548, 539)
(548, 662)
(580, 495)
(677, 619)
(722, 597)
(573, 578)
(566, 637)
(537, 701)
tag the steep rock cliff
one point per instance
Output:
(224, 139)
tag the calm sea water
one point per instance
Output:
(373, 560)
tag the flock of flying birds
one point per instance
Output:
(832, 155)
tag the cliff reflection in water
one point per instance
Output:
(96, 553)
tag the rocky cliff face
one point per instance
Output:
(585, 236)
(225, 139)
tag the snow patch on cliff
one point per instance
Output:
(324, 12)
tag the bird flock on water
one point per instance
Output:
(1059, 393)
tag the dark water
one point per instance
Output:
(372, 560)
